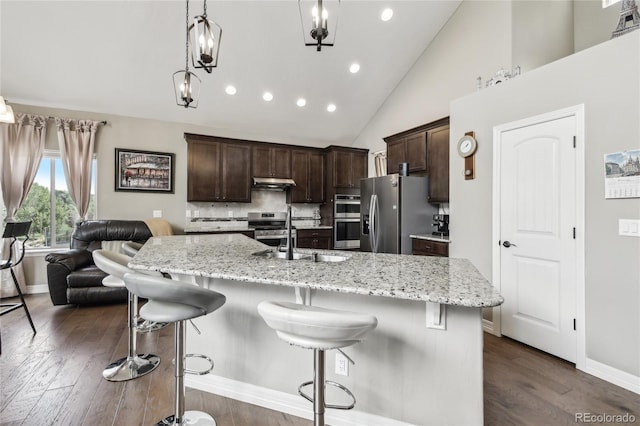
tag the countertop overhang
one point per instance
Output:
(449, 281)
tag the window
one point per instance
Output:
(52, 213)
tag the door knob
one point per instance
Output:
(507, 244)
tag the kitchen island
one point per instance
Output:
(404, 372)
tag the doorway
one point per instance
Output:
(539, 231)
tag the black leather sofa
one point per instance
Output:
(72, 276)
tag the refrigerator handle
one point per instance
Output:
(376, 225)
(372, 222)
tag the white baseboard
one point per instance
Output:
(613, 375)
(488, 327)
(37, 289)
(282, 402)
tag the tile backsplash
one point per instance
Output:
(261, 201)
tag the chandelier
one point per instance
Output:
(205, 41)
(185, 83)
(319, 22)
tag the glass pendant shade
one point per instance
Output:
(187, 88)
(205, 42)
(319, 21)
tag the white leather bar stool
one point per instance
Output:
(319, 329)
(134, 365)
(175, 301)
(131, 248)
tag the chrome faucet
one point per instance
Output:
(289, 220)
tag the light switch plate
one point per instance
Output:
(157, 213)
(629, 227)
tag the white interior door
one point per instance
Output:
(537, 235)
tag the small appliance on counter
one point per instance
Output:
(441, 221)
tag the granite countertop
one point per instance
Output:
(431, 237)
(229, 256)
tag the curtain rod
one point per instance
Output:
(52, 118)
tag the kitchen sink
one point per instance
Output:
(312, 257)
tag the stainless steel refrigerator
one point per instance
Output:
(392, 208)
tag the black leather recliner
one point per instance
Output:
(72, 276)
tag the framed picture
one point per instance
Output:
(144, 171)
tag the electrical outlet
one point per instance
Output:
(188, 213)
(196, 213)
(342, 364)
(157, 213)
(230, 213)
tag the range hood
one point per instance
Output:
(273, 184)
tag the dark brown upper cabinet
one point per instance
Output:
(411, 148)
(426, 149)
(218, 169)
(438, 159)
(271, 161)
(346, 166)
(307, 168)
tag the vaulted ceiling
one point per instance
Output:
(118, 57)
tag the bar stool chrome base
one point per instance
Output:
(131, 367)
(144, 326)
(191, 418)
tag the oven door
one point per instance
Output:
(346, 233)
(346, 206)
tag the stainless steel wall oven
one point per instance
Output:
(346, 221)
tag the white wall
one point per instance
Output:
(475, 42)
(542, 32)
(612, 108)
(593, 24)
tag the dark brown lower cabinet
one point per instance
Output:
(314, 238)
(429, 248)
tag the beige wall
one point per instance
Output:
(149, 135)
(593, 24)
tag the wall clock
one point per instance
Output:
(467, 146)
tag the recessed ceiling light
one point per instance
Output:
(354, 68)
(386, 14)
(331, 107)
(301, 102)
(231, 90)
(267, 96)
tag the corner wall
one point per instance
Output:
(612, 110)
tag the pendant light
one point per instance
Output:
(205, 41)
(185, 83)
(319, 22)
(6, 112)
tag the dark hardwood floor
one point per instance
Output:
(54, 378)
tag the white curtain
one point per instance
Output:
(380, 162)
(77, 140)
(21, 149)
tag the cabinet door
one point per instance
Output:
(341, 169)
(395, 155)
(438, 159)
(416, 152)
(236, 173)
(359, 168)
(262, 161)
(315, 191)
(281, 162)
(203, 159)
(300, 175)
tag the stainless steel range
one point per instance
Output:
(271, 228)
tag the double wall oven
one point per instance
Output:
(346, 221)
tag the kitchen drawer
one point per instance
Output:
(430, 248)
(313, 233)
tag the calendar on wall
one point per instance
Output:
(622, 174)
